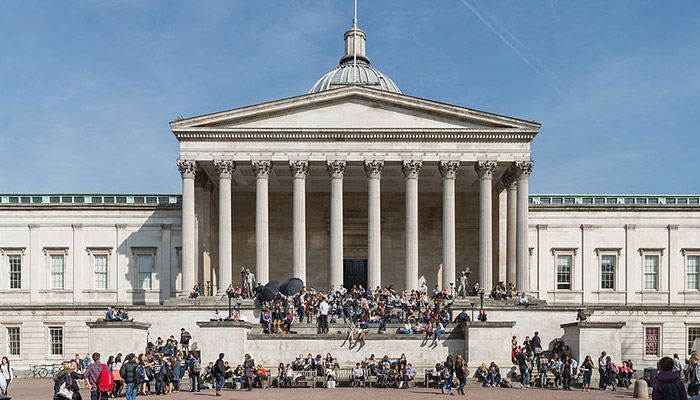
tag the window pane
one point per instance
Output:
(651, 268)
(15, 271)
(145, 271)
(101, 271)
(693, 333)
(56, 341)
(607, 272)
(564, 272)
(651, 342)
(13, 343)
(693, 265)
(57, 263)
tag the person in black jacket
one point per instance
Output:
(129, 373)
(219, 373)
(70, 377)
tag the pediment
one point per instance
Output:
(353, 108)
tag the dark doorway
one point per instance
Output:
(354, 273)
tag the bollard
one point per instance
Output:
(641, 390)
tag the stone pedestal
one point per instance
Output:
(487, 341)
(117, 337)
(591, 338)
(228, 337)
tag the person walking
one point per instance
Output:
(92, 374)
(461, 372)
(249, 367)
(219, 374)
(692, 374)
(129, 373)
(587, 369)
(667, 385)
(449, 374)
(601, 371)
(6, 374)
(521, 358)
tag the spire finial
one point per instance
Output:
(354, 45)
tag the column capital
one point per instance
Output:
(374, 168)
(262, 168)
(188, 168)
(509, 178)
(523, 169)
(200, 178)
(225, 168)
(336, 168)
(411, 168)
(484, 169)
(299, 168)
(448, 169)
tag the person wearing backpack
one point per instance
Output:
(194, 366)
(92, 374)
(66, 382)
(667, 385)
(129, 373)
(105, 382)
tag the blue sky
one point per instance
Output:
(87, 88)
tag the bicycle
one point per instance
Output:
(44, 370)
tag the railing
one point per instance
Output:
(91, 199)
(610, 200)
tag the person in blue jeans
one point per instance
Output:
(601, 371)
(219, 373)
(130, 374)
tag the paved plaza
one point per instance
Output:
(35, 389)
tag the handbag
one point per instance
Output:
(63, 391)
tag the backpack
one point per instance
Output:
(197, 365)
(106, 380)
(669, 389)
(615, 369)
(65, 389)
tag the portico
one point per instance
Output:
(440, 166)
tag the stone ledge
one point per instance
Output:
(118, 324)
(595, 325)
(338, 336)
(224, 324)
(487, 324)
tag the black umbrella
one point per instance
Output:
(291, 286)
(269, 291)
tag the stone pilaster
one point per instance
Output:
(522, 171)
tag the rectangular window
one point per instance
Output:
(607, 272)
(15, 277)
(13, 341)
(56, 340)
(651, 341)
(145, 263)
(564, 271)
(693, 268)
(693, 335)
(57, 271)
(100, 262)
(651, 272)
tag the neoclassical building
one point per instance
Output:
(353, 183)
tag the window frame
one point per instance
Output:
(49, 253)
(567, 252)
(7, 253)
(659, 344)
(94, 252)
(11, 356)
(659, 254)
(687, 337)
(687, 253)
(602, 252)
(49, 340)
(137, 252)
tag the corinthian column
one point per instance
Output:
(448, 170)
(225, 169)
(374, 169)
(484, 169)
(188, 168)
(262, 171)
(522, 281)
(299, 169)
(508, 181)
(411, 170)
(336, 171)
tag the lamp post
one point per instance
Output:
(472, 303)
(481, 296)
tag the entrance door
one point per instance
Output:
(354, 273)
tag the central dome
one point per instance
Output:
(355, 68)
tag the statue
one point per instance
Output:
(463, 284)
(249, 282)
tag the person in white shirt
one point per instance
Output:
(6, 375)
(323, 317)
(330, 377)
(217, 316)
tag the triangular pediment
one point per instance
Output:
(354, 108)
